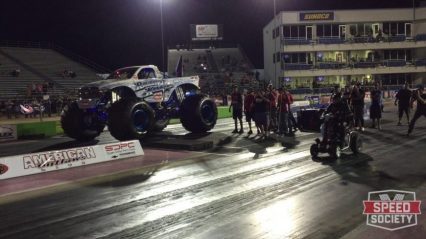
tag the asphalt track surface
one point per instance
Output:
(242, 188)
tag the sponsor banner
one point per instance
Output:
(34, 163)
(8, 133)
(392, 209)
(316, 16)
(206, 31)
(121, 150)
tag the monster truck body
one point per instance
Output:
(137, 100)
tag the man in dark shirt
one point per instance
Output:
(261, 105)
(249, 108)
(357, 102)
(237, 109)
(420, 97)
(403, 101)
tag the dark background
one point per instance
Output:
(117, 33)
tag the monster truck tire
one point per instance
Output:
(76, 126)
(159, 125)
(130, 119)
(198, 114)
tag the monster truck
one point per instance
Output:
(135, 101)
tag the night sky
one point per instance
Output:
(117, 33)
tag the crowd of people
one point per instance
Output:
(30, 108)
(271, 111)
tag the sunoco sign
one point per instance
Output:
(316, 16)
(392, 209)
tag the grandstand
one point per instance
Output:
(218, 68)
(21, 68)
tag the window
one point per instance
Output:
(294, 32)
(386, 28)
(320, 30)
(360, 29)
(327, 30)
(335, 30)
(302, 31)
(146, 73)
(286, 31)
(368, 29)
(401, 28)
(302, 57)
(393, 29)
(352, 30)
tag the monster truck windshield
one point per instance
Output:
(121, 74)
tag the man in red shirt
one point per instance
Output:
(284, 101)
(272, 96)
(249, 108)
(237, 109)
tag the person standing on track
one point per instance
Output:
(403, 101)
(272, 96)
(249, 108)
(237, 109)
(375, 108)
(357, 102)
(284, 101)
(261, 104)
(420, 97)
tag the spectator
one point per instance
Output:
(272, 97)
(284, 102)
(357, 102)
(420, 97)
(237, 109)
(260, 112)
(16, 72)
(249, 108)
(402, 99)
(375, 108)
(9, 109)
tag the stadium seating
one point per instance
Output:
(38, 66)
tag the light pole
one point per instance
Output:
(275, 44)
(162, 38)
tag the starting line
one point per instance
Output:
(35, 163)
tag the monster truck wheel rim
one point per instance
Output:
(140, 120)
(207, 112)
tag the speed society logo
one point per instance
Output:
(392, 209)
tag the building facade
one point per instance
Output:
(316, 49)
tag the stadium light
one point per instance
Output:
(162, 37)
(275, 45)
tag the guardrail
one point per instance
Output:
(360, 64)
(350, 40)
